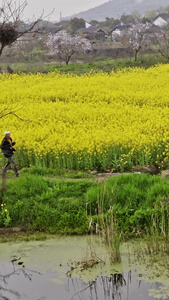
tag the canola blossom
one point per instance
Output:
(93, 120)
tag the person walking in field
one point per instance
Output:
(8, 151)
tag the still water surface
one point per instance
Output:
(42, 271)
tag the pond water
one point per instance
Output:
(51, 270)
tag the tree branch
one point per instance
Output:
(11, 25)
(13, 111)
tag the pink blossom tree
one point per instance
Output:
(138, 36)
(65, 45)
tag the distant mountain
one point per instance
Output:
(115, 8)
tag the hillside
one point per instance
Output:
(116, 8)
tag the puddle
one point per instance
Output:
(42, 271)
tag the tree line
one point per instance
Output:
(66, 42)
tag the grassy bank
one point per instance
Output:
(72, 204)
(104, 64)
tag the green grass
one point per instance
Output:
(57, 201)
(105, 64)
(12, 236)
(59, 173)
(47, 205)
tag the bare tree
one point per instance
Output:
(66, 45)
(12, 26)
(161, 40)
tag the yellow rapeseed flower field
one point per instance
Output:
(95, 120)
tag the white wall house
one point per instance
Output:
(161, 20)
(87, 25)
(119, 30)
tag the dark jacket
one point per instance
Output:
(6, 148)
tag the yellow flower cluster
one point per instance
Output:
(3, 207)
(128, 109)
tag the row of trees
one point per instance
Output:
(12, 28)
(136, 37)
(64, 44)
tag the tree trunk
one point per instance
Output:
(67, 59)
(1, 49)
(136, 55)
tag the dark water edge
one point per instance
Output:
(38, 271)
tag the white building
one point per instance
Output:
(87, 25)
(161, 20)
(119, 30)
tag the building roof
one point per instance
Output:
(92, 29)
(164, 16)
(63, 22)
(120, 27)
(154, 28)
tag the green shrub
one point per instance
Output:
(26, 187)
(46, 205)
(160, 190)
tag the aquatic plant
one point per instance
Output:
(134, 200)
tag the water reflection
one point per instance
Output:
(38, 272)
(19, 282)
(126, 286)
(111, 287)
(8, 271)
